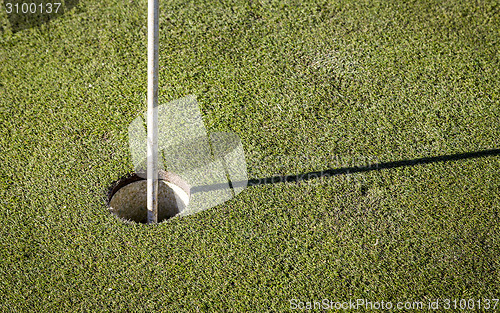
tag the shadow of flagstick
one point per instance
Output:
(350, 170)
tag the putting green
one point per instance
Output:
(308, 86)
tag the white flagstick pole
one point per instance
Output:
(152, 121)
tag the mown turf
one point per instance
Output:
(308, 86)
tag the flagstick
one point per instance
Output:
(152, 120)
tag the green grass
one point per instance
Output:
(308, 86)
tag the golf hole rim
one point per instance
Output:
(134, 177)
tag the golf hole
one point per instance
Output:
(127, 197)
